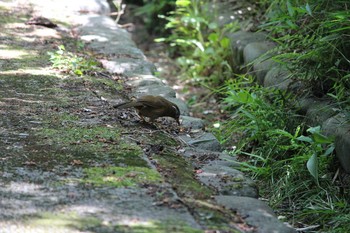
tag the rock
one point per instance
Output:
(156, 89)
(278, 77)
(227, 180)
(261, 69)
(202, 156)
(205, 141)
(143, 80)
(239, 40)
(129, 67)
(305, 103)
(192, 122)
(105, 37)
(70, 10)
(256, 213)
(319, 113)
(103, 31)
(342, 146)
(256, 51)
(330, 126)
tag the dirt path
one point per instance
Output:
(69, 163)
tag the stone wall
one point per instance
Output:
(251, 48)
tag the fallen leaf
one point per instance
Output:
(29, 163)
(76, 162)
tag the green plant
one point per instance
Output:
(293, 164)
(152, 12)
(69, 62)
(321, 145)
(254, 108)
(312, 39)
(203, 47)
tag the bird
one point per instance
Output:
(153, 107)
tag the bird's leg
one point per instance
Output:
(142, 118)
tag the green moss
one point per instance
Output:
(73, 135)
(62, 222)
(180, 173)
(235, 186)
(27, 83)
(59, 222)
(237, 179)
(89, 145)
(159, 138)
(158, 227)
(108, 84)
(121, 176)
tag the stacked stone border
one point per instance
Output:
(251, 48)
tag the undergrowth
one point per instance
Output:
(291, 160)
(312, 39)
(294, 162)
(76, 62)
(202, 48)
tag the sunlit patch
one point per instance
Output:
(13, 54)
(36, 71)
(133, 222)
(94, 38)
(43, 32)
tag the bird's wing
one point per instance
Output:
(128, 105)
(151, 102)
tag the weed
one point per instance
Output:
(69, 62)
(313, 43)
(277, 150)
(204, 48)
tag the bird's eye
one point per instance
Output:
(176, 110)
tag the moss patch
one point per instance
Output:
(121, 176)
(59, 222)
(179, 172)
(66, 222)
(90, 146)
(158, 227)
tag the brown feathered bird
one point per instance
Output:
(153, 107)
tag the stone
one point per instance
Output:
(304, 103)
(241, 39)
(260, 69)
(256, 51)
(278, 77)
(143, 80)
(102, 29)
(330, 126)
(156, 89)
(227, 180)
(192, 122)
(342, 146)
(255, 54)
(319, 113)
(203, 156)
(129, 66)
(256, 213)
(205, 141)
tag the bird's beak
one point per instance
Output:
(178, 121)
